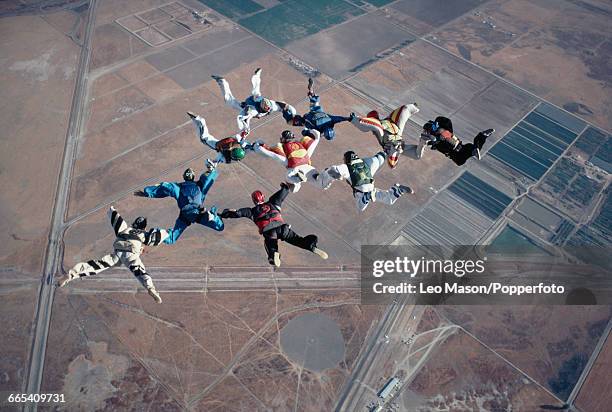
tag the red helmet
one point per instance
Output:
(258, 197)
(373, 114)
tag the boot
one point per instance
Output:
(276, 261)
(322, 254)
(65, 279)
(153, 293)
(401, 189)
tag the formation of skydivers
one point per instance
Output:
(295, 153)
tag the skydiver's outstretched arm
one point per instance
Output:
(277, 198)
(311, 142)
(116, 220)
(374, 162)
(206, 180)
(163, 189)
(244, 118)
(235, 214)
(155, 236)
(338, 172)
(275, 152)
(368, 124)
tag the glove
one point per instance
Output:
(225, 213)
(244, 133)
(112, 208)
(139, 193)
(430, 127)
(352, 116)
(210, 165)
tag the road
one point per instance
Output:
(589, 365)
(53, 253)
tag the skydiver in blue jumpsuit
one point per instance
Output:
(189, 196)
(316, 118)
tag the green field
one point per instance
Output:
(233, 8)
(295, 19)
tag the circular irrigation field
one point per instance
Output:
(314, 341)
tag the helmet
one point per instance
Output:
(140, 223)
(257, 197)
(373, 114)
(286, 135)
(189, 175)
(237, 153)
(350, 156)
(329, 133)
(265, 105)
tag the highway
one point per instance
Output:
(53, 253)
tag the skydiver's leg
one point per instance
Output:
(362, 200)
(89, 268)
(313, 146)
(271, 246)
(375, 162)
(368, 124)
(393, 157)
(211, 220)
(401, 115)
(202, 131)
(307, 242)
(295, 179)
(315, 103)
(133, 262)
(321, 180)
(388, 197)
(423, 140)
(470, 149)
(228, 97)
(173, 234)
(256, 83)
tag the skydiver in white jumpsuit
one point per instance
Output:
(254, 106)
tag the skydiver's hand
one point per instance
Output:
(210, 165)
(244, 133)
(225, 213)
(112, 208)
(429, 127)
(140, 193)
(352, 116)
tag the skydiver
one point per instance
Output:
(295, 155)
(189, 196)
(127, 248)
(229, 149)
(267, 216)
(388, 131)
(316, 118)
(439, 135)
(359, 173)
(253, 106)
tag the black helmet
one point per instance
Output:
(140, 223)
(350, 156)
(189, 175)
(286, 135)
